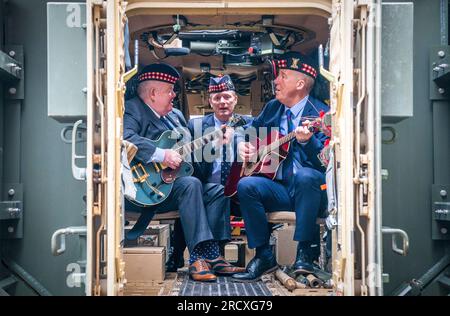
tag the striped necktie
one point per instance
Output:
(288, 165)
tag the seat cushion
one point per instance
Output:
(167, 215)
(281, 217)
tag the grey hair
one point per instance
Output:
(309, 82)
(143, 87)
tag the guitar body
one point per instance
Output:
(154, 181)
(266, 165)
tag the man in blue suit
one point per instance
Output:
(212, 166)
(146, 117)
(298, 181)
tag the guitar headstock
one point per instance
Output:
(237, 121)
(320, 123)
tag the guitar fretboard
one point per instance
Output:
(188, 148)
(273, 146)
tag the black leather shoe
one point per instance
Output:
(175, 262)
(304, 261)
(255, 269)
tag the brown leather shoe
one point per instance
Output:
(222, 267)
(199, 271)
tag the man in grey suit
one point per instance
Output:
(212, 166)
(146, 117)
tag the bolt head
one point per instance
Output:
(12, 90)
(443, 193)
(444, 231)
(11, 192)
(12, 53)
(10, 229)
(441, 90)
(441, 53)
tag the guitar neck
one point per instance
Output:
(188, 148)
(276, 144)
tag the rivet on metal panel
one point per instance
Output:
(12, 90)
(441, 53)
(443, 193)
(12, 53)
(441, 90)
(11, 192)
(10, 229)
(444, 231)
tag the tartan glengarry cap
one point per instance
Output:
(298, 62)
(220, 84)
(159, 72)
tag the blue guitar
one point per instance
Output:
(154, 181)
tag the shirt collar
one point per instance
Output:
(297, 108)
(218, 122)
(156, 113)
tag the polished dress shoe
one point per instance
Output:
(222, 267)
(199, 271)
(304, 261)
(255, 269)
(175, 262)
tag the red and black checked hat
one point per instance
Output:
(159, 72)
(298, 62)
(220, 84)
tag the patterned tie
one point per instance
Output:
(291, 125)
(288, 166)
(225, 166)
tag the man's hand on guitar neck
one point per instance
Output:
(302, 133)
(172, 159)
(246, 151)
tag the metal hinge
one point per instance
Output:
(440, 73)
(11, 211)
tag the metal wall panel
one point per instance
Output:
(52, 198)
(397, 61)
(409, 160)
(66, 61)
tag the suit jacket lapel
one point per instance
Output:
(278, 115)
(309, 110)
(208, 121)
(174, 119)
(152, 118)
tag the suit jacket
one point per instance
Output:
(140, 125)
(307, 153)
(203, 169)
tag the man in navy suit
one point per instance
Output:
(212, 166)
(146, 117)
(298, 181)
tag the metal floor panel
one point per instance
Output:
(223, 287)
